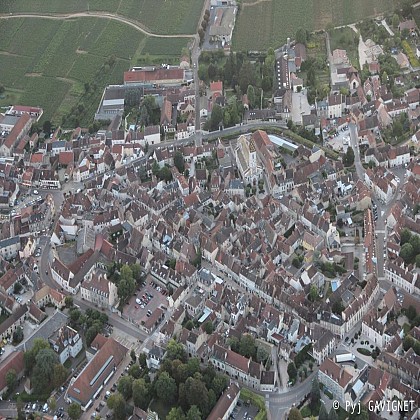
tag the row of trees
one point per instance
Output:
(92, 322)
(126, 278)
(410, 248)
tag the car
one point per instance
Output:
(142, 306)
(46, 272)
(138, 301)
(36, 192)
(98, 409)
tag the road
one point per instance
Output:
(280, 403)
(101, 15)
(354, 142)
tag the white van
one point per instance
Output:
(45, 408)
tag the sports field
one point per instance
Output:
(158, 16)
(267, 23)
(48, 63)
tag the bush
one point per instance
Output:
(363, 351)
(306, 411)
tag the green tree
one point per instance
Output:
(291, 371)
(142, 360)
(125, 387)
(294, 414)
(18, 335)
(395, 20)
(179, 161)
(30, 356)
(52, 403)
(175, 350)
(91, 333)
(313, 293)
(165, 387)
(208, 327)
(411, 313)
(43, 371)
(68, 301)
(250, 93)
(2, 89)
(405, 236)
(247, 346)
(219, 384)
(194, 413)
(133, 355)
(262, 355)
(348, 159)
(135, 371)
(197, 393)
(165, 174)
(11, 380)
(74, 411)
(337, 307)
(302, 36)
(315, 394)
(332, 415)
(59, 376)
(246, 75)
(406, 252)
(141, 393)
(216, 117)
(323, 413)
(116, 403)
(176, 413)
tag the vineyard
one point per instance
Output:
(49, 63)
(159, 16)
(268, 23)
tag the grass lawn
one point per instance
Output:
(346, 39)
(160, 408)
(276, 21)
(46, 63)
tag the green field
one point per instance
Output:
(274, 21)
(158, 16)
(47, 62)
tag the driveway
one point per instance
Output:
(300, 106)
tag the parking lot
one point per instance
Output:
(244, 411)
(338, 140)
(145, 301)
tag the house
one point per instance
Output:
(335, 379)
(19, 130)
(154, 357)
(14, 361)
(163, 76)
(97, 373)
(97, 289)
(221, 28)
(66, 342)
(226, 403)
(10, 247)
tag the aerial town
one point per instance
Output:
(201, 253)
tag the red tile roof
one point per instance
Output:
(161, 74)
(13, 361)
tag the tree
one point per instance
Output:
(208, 327)
(52, 403)
(250, 93)
(176, 413)
(142, 360)
(294, 414)
(43, 371)
(197, 393)
(18, 335)
(135, 371)
(216, 117)
(68, 301)
(408, 342)
(179, 161)
(136, 270)
(315, 394)
(291, 371)
(332, 415)
(323, 413)
(74, 411)
(140, 393)
(411, 313)
(117, 404)
(313, 293)
(219, 384)
(59, 375)
(47, 127)
(133, 355)
(175, 350)
(125, 387)
(17, 288)
(247, 345)
(194, 413)
(262, 355)
(165, 387)
(246, 75)
(405, 236)
(395, 20)
(406, 252)
(91, 333)
(11, 380)
(337, 307)
(348, 159)
(406, 8)
(301, 36)
(30, 356)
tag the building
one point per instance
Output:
(10, 247)
(97, 289)
(246, 159)
(150, 76)
(335, 379)
(226, 403)
(221, 28)
(67, 343)
(14, 361)
(97, 373)
(19, 130)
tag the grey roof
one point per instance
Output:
(9, 241)
(50, 326)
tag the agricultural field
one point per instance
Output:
(49, 63)
(276, 22)
(157, 16)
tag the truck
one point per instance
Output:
(346, 357)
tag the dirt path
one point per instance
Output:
(134, 24)
(255, 3)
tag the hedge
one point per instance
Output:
(256, 400)
(410, 53)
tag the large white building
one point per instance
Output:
(97, 289)
(246, 159)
